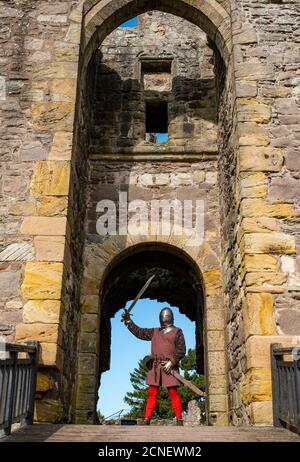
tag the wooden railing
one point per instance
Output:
(286, 386)
(18, 371)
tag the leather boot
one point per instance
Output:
(146, 421)
(179, 422)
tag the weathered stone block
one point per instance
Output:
(258, 349)
(53, 116)
(19, 251)
(86, 383)
(42, 311)
(42, 281)
(246, 89)
(48, 410)
(85, 400)
(288, 315)
(84, 417)
(258, 207)
(90, 304)
(273, 243)
(214, 302)
(44, 382)
(51, 355)
(256, 386)
(293, 159)
(245, 36)
(253, 110)
(258, 225)
(14, 305)
(45, 333)
(216, 362)
(260, 262)
(54, 70)
(259, 314)
(10, 283)
(65, 51)
(215, 340)
(266, 282)
(218, 403)
(253, 185)
(254, 71)
(49, 248)
(265, 159)
(88, 342)
(252, 134)
(50, 206)
(215, 319)
(62, 146)
(217, 384)
(23, 208)
(44, 226)
(285, 188)
(51, 178)
(294, 282)
(89, 322)
(87, 364)
(63, 90)
(213, 282)
(33, 150)
(261, 413)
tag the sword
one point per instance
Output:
(189, 384)
(139, 294)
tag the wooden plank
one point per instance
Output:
(117, 433)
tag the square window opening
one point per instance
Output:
(157, 119)
(156, 74)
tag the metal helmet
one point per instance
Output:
(166, 317)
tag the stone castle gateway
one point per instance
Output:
(81, 102)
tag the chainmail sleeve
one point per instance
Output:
(140, 332)
(180, 347)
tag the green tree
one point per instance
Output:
(100, 416)
(137, 398)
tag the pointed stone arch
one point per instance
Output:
(102, 17)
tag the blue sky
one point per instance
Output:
(126, 350)
(133, 22)
(162, 137)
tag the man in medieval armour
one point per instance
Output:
(167, 349)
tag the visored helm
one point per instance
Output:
(166, 317)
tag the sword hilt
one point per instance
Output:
(126, 311)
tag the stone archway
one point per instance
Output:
(185, 278)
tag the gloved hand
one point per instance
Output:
(168, 366)
(126, 316)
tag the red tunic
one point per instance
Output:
(162, 348)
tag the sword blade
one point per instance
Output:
(188, 384)
(140, 293)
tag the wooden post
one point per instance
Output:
(296, 361)
(275, 386)
(34, 357)
(11, 399)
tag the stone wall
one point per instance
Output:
(262, 226)
(133, 69)
(39, 60)
(45, 90)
